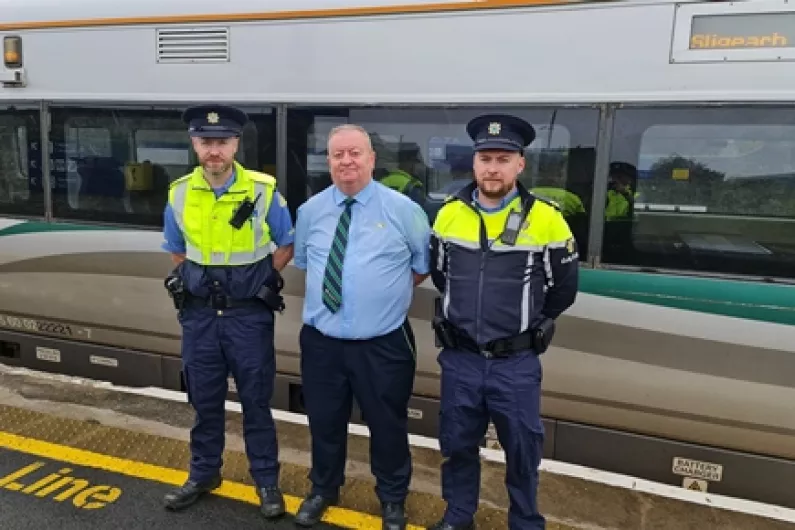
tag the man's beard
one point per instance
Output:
(493, 192)
(217, 172)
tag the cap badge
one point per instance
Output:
(212, 117)
(494, 128)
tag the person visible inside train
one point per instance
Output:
(403, 175)
(364, 248)
(620, 197)
(501, 293)
(230, 233)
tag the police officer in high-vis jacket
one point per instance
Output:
(229, 232)
(506, 264)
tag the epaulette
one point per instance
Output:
(180, 180)
(264, 178)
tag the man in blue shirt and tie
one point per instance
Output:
(364, 248)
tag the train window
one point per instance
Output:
(115, 166)
(21, 186)
(426, 153)
(707, 189)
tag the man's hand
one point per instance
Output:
(177, 258)
(282, 256)
(419, 278)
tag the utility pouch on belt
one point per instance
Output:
(542, 335)
(269, 292)
(176, 289)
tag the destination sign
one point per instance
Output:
(743, 31)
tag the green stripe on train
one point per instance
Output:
(733, 298)
(742, 299)
(32, 227)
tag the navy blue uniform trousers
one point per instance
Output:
(240, 342)
(379, 373)
(507, 390)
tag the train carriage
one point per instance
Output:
(675, 364)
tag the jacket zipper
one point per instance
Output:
(478, 316)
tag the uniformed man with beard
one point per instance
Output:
(229, 232)
(506, 264)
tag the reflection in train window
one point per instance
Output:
(116, 165)
(170, 150)
(712, 190)
(427, 154)
(21, 187)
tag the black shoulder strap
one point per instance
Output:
(527, 204)
(527, 200)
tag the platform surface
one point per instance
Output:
(123, 452)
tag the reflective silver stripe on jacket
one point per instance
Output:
(235, 258)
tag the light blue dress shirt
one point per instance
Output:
(278, 219)
(387, 240)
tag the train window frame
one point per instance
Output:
(581, 123)
(262, 125)
(630, 124)
(34, 206)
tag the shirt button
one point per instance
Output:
(220, 313)
(215, 283)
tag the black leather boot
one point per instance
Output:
(271, 502)
(312, 509)
(189, 493)
(393, 516)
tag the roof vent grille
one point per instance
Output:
(192, 45)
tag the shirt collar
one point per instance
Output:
(503, 203)
(229, 183)
(362, 197)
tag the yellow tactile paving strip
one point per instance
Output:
(166, 460)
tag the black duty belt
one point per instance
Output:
(220, 301)
(496, 348)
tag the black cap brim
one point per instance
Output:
(213, 134)
(500, 145)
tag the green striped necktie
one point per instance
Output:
(332, 279)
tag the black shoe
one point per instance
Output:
(312, 509)
(271, 502)
(189, 493)
(441, 525)
(394, 516)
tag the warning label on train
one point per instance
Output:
(697, 469)
(695, 484)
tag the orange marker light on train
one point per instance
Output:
(12, 52)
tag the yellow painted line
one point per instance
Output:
(140, 470)
(463, 5)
